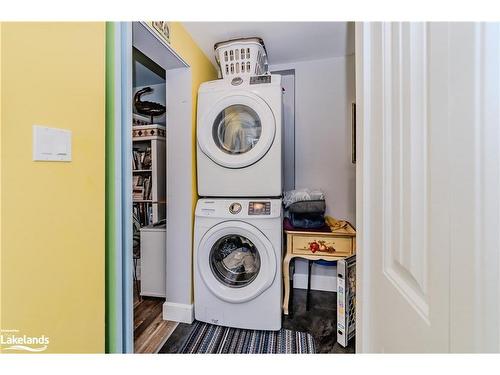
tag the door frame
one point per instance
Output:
(362, 115)
(119, 262)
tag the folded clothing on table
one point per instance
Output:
(305, 208)
(307, 221)
(308, 207)
(302, 195)
(287, 225)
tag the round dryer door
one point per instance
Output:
(236, 261)
(237, 131)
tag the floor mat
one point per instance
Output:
(209, 338)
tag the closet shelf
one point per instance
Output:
(148, 172)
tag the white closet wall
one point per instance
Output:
(324, 91)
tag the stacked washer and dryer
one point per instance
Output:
(238, 219)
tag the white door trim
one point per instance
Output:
(363, 79)
(475, 194)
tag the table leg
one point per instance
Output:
(310, 263)
(286, 280)
(292, 272)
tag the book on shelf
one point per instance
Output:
(147, 188)
(150, 214)
(141, 159)
(141, 187)
(144, 212)
(137, 181)
(137, 195)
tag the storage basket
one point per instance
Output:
(241, 57)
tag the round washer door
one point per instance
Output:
(237, 131)
(236, 261)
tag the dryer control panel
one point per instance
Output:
(255, 80)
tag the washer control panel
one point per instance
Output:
(240, 208)
(255, 80)
(259, 208)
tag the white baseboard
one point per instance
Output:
(318, 282)
(152, 294)
(178, 312)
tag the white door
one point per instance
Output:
(237, 131)
(428, 187)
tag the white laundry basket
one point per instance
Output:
(241, 57)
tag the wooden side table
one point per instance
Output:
(328, 246)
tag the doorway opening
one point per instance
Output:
(318, 138)
(149, 201)
(159, 79)
(317, 154)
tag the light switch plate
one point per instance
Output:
(51, 144)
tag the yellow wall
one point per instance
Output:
(1, 179)
(202, 70)
(52, 229)
(52, 214)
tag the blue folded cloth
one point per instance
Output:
(307, 221)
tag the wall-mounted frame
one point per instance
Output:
(353, 133)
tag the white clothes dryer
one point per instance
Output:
(239, 133)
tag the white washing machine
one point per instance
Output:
(237, 262)
(239, 132)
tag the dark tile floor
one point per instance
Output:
(320, 321)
